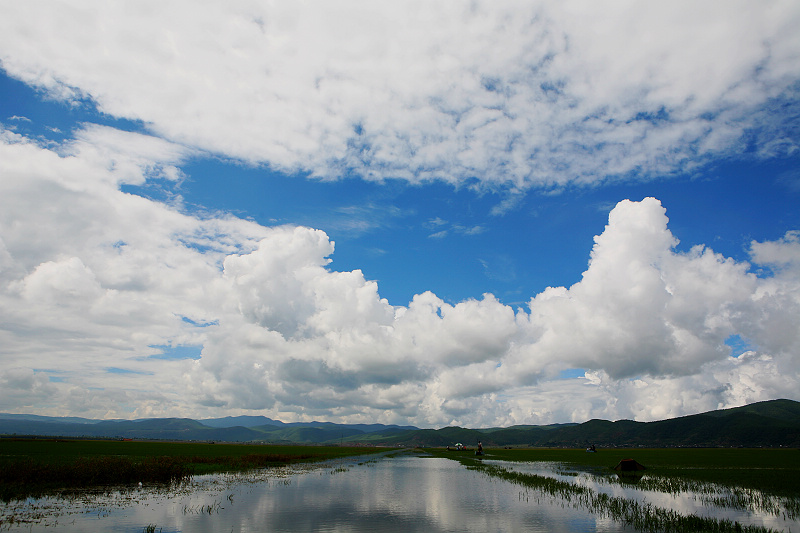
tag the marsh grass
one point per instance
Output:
(730, 497)
(770, 470)
(669, 471)
(28, 477)
(209, 508)
(641, 516)
(39, 466)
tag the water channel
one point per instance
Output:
(402, 493)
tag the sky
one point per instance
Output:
(431, 213)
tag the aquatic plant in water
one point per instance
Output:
(643, 516)
(208, 508)
(740, 498)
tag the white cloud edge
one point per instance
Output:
(711, 99)
(510, 95)
(291, 338)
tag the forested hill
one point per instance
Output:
(772, 423)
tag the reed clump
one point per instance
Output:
(31, 477)
(641, 516)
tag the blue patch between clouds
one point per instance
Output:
(156, 190)
(199, 324)
(662, 115)
(739, 345)
(115, 370)
(174, 353)
(28, 111)
(572, 373)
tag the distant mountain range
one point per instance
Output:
(772, 423)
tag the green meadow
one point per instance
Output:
(36, 466)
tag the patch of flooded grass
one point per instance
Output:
(642, 516)
(769, 470)
(209, 508)
(28, 477)
(63, 506)
(729, 497)
(41, 466)
(742, 492)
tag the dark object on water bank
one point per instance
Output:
(629, 465)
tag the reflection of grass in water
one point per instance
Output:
(710, 494)
(774, 471)
(99, 502)
(740, 498)
(642, 516)
(41, 466)
(207, 508)
(28, 477)
(757, 479)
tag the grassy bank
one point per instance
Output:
(38, 466)
(771, 470)
(763, 479)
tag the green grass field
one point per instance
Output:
(62, 450)
(35, 466)
(771, 470)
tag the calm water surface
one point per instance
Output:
(402, 494)
(748, 507)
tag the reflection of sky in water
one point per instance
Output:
(685, 503)
(400, 494)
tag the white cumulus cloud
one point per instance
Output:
(514, 93)
(94, 282)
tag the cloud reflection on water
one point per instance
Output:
(399, 494)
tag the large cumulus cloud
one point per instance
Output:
(100, 290)
(641, 307)
(97, 286)
(512, 93)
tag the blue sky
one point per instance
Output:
(413, 238)
(389, 230)
(173, 191)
